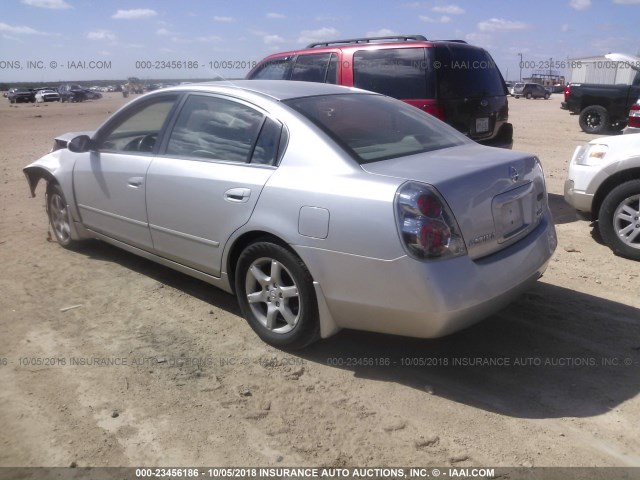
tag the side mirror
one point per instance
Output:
(80, 144)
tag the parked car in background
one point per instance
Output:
(21, 95)
(604, 107)
(633, 124)
(509, 86)
(530, 90)
(452, 80)
(72, 93)
(92, 95)
(47, 96)
(603, 185)
(322, 207)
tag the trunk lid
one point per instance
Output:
(497, 196)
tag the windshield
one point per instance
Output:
(373, 127)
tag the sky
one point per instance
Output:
(66, 40)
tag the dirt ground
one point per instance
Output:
(153, 368)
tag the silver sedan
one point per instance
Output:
(321, 207)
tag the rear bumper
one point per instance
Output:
(427, 299)
(504, 138)
(631, 130)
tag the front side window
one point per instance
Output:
(372, 127)
(138, 130)
(401, 73)
(219, 129)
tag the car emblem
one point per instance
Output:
(484, 103)
(513, 174)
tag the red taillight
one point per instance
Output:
(634, 115)
(426, 225)
(434, 238)
(434, 109)
(429, 206)
(567, 92)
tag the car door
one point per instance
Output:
(215, 162)
(109, 181)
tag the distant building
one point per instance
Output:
(599, 70)
(546, 79)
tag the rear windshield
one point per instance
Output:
(467, 72)
(372, 127)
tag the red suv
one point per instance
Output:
(450, 79)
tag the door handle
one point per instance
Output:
(237, 195)
(135, 182)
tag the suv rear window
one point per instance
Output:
(372, 127)
(467, 72)
(319, 67)
(398, 72)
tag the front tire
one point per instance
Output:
(276, 295)
(59, 217)
(619, 220)
(594, 119)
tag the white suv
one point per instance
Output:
(604, 185)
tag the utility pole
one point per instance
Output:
(520, 65)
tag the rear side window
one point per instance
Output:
(217, 129)
(316, 67)
(402, 73)
(274, 69)
(467, 72)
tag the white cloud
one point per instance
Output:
(477, 38)
(383, 32)
(52, 4)
(163, 31)
(319, 35)
(272, 39)
(449, 9)
(442, 19)
(101, 35)
(565, 28)
(210, 39)
(580, 4)
(224, 19)
(134, 14)
(500, 24)
(13, 39)
(276, 15)
(19, 30)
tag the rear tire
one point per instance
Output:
(276, 295)
(619, 220)
(594, 119)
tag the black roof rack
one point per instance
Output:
(455, 41)
(398, 38)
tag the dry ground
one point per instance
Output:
(199, 388)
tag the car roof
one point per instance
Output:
(276, 89)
